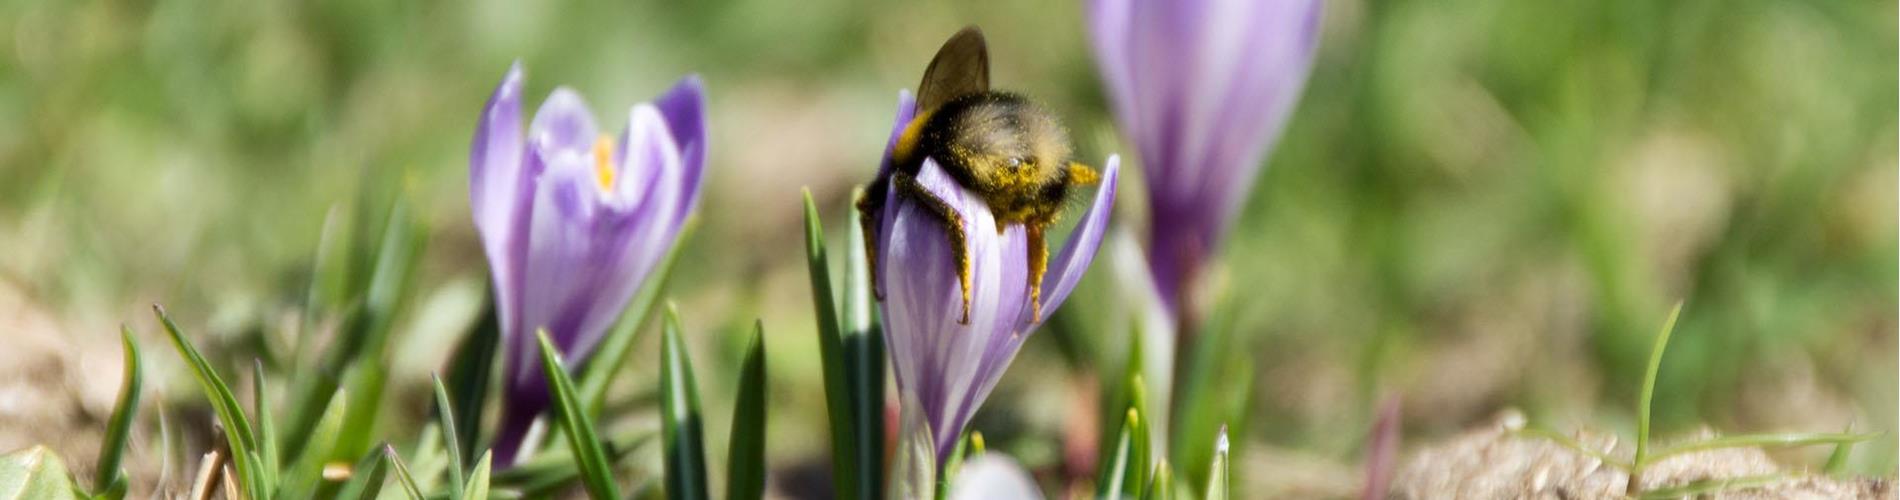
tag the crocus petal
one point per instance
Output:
(1108, 22)
(500, 182)
(562, 246)
(684, 109)
(944, 367)
(564, 123)
(1202, 88)
(580, 243)
(589, 247)
(943, 358)
(992, 476)
(906, 111)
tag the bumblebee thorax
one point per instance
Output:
(1001, 146)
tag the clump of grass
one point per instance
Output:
(1644, 457)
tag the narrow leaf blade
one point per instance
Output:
(596, 472)
(1837, 460)
(862, 343)
(477, 487)
(403, 477)
(1218, 477)
(119, 428)
(845, 468)
(745, 460)
(1110, 484)
(303, 475)
(445, 415)
(266, 427)
(224, 402)
(1649, 388)
(680, 423)
(470, 374)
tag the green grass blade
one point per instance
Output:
(1210, 374)
(477, 487)
(846, 471)
(364, 385)
(445, 415)
(119, 428)
(366, 479)
(1162, 487)
(1124, 393)
(403, 477)
(617, 346)
(745, 460)
(304, 474)
(225, 403)
(364, 333)
(559, 469)
(114, 491)
(427, 460)
(1141, 449)
(680, 423)
(596, 472)
(1110, 483)
(861, 341)
(1762, 441)
(328, 272)
(1219, 479)
(1837, 461)
(470, 374)
(1649, 389)
(266, 425)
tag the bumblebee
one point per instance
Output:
(1008, 150)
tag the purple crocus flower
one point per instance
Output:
(945, 368)
(574, 220)
(1202, 88)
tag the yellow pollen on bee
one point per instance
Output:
(1082, 174)
(604, 161)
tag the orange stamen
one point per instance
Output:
(604, 161)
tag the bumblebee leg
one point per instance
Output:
(1038, 265)
(868, 213)
(1082, 174)
(952, 225)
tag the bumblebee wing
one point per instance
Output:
(962, 67)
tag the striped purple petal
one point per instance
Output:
(571, 234)
(1202, 88)
(946, 367)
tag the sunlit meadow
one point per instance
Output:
(1336, 246)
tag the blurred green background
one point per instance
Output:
(1479, 204)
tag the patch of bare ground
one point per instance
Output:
(39, 404)
(1499, 462)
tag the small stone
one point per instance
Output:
(1512, 420)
